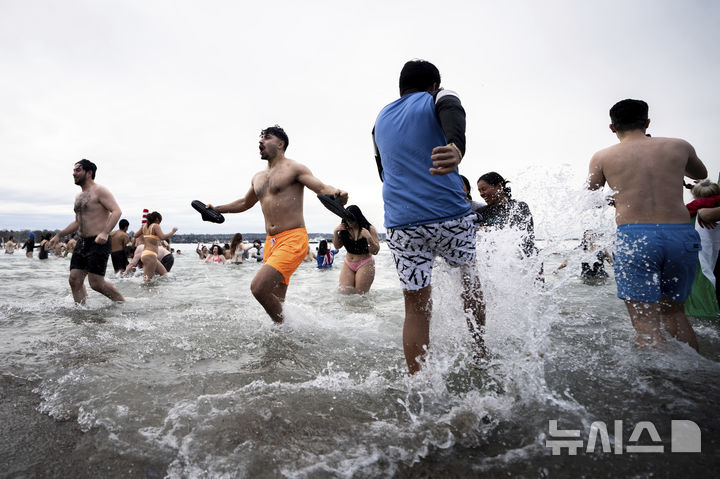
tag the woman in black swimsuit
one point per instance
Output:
(361, 242)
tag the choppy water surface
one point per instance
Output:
(190, 378)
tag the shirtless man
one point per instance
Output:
(119, 239)
(657, 246)
(96, 213)
(279, 189)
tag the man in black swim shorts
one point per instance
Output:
(96, 213)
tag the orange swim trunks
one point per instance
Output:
(285, 251)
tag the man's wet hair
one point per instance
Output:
(123, 223)
(277, 131)
(629, 115)
(418, 75)
(88, 165)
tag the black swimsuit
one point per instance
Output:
(358, 246)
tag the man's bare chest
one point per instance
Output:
(273, 184)
(84, 201)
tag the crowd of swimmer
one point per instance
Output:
(361, 242)
(149, 250)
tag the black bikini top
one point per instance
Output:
(358, 246)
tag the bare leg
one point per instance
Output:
(645, 318)
(676, 323)
(150, 263)
(364, 277)
(77, 285)
(346, 283)
(99, 284)
(416, 330)
(268, 288)
(474, 307)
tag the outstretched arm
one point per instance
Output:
(239, 205)
(306, 177)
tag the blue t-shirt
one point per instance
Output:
(406, 131)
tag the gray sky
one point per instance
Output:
(168, 97)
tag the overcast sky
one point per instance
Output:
(168, 97)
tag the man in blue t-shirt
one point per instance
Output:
(419, 143)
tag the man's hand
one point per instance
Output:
(53, 242)
(445, 159)
(342, 195)
(101, 238)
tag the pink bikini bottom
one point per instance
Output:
(356, 266)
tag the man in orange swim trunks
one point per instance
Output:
(279, 189)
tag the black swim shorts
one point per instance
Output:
(168, 261)
(90, 256)
(119, 260)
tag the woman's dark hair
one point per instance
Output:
(220, 250)
(322, 247)
(234, 242)
(466, 182)
(153, 217)
(495, 179)
(360, 219)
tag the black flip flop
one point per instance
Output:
(333, 204)
(208, 214)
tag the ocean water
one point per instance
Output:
(190, 378)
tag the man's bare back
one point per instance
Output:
(119, 239)
(647, 176)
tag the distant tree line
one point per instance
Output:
(22, 236)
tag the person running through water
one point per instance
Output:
(420, 141)
(279, 189)
(657, 247)
(96, 213)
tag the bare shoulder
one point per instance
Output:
(297, 167)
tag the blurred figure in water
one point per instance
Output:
(216, 255)
(592, 268)
(29, 245)
(10, 245)
(325, 255)
(202, 251)
(43, 247)
(361, 242)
